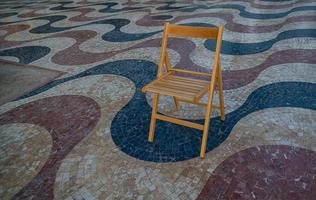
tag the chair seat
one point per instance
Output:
(184, 88)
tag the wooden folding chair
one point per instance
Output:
(186, 89)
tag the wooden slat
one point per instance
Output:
(190, 72)
(177, 86)
(174, 87)
(186, 83)
(173, 92)
(188, 80)
(172, 81)
(169, 92)
(193, 32)
(179, 121)
(180, 87)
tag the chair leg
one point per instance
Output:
(153, 118)
(176, 103)
(206, 124)
(220, 94)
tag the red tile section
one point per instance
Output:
(265, 172)
(68, 119)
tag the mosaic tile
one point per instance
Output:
(250, 173)
(108, 51)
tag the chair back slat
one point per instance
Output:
(192, 32)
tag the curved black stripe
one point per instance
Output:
(26, 54)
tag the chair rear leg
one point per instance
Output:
(153, 118)
(176, 103)
(220, 94)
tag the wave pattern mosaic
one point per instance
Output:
(84, 135)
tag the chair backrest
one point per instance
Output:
(213, 33)
(191, 31)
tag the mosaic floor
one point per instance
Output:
(84, 134)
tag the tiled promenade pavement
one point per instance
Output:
(84, 135)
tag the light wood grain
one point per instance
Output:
(187, 89)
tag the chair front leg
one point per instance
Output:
(205, 129)
(153, 118)
(207, 118)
